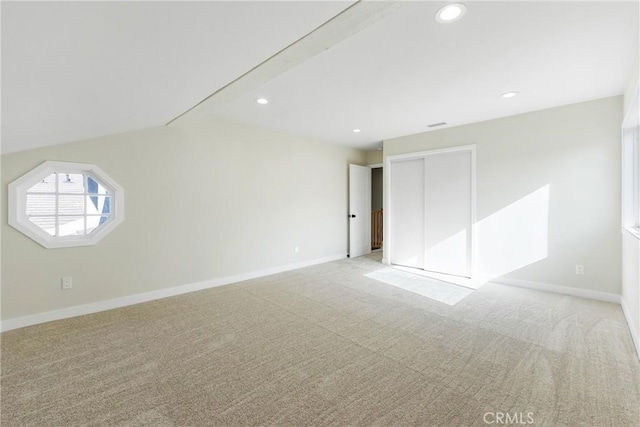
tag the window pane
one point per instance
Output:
(97, 205)
(94, 222)
(47, 223)
(53, 203)
(47, 185)
(95, 187)
(41, 204)
(70, 225)
(70, 183)
(71, 205)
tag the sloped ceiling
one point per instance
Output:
(408, 71)
(76, 70)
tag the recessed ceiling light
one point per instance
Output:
(451, 12)
(510, 94)
(356, 131)
(262, 101)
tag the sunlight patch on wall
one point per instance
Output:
(507, 240)
(515, 236)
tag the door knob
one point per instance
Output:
(352, 216)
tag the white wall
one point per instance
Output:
(631, 284)
(631, 244)
(373, 157)
(548, 193)
(632, 85)
(211, 201)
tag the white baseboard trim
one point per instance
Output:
(632, 327)
(557, 289)
(79, 310)
(583, 293)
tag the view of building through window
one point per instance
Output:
(65, 204)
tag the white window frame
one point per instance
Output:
(631, 169)
(19, 220)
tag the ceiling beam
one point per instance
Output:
(347, 23)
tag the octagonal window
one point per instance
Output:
(61, 204)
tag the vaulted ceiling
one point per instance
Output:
(76, 70)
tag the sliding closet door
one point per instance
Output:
(431, 205)
(447, 238)
(407, 213)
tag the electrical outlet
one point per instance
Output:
(579, 269)
(295, 249)
(67, 283)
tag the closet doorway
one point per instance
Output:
(431, 210)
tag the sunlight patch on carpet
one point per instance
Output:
(436, 290)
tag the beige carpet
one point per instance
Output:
(326, 345)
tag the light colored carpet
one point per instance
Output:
(326, 345)
(435, 289)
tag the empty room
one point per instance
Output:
(320, 213)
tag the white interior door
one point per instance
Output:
(448, 213)
(407, 213)
(431, 205)
(359, 210)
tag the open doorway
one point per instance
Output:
(376, 208)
